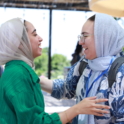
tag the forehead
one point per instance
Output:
(29, 26)
(88, 26)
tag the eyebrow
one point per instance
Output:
(33, 31)
(84, 32)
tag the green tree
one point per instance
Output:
(41, 63)
(59, 61)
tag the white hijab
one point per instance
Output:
(109, 41)
(14, 42)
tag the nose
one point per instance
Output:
(40, 39)
(80, 42)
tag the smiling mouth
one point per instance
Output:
(84, 49)
(40, 46)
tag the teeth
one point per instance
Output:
(40, 46)
(83, 51)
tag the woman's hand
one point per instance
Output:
(86, 106)
(90, 106)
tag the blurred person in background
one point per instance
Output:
(78, 53)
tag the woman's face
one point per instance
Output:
(35, 39)
(89, 43)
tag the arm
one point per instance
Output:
(28, 112)
(86, 106)
(31, 110)
(61, 88)
(46, 84)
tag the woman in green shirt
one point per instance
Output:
(21, 99)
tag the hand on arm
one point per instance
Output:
(86, 106)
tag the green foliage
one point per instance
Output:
(58, 62)
(41, 63)
(123, 49)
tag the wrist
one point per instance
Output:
(76, 109)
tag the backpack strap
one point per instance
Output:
(114, 69)
(82, 66)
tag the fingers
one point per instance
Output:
(102, 106)
(100, 100)
(97, 100)
(99, 112)
(92, 98)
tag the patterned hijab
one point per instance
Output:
(109, 41)
(14, 42)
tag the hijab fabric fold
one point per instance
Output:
(14, 42)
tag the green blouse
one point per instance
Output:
(21, 99)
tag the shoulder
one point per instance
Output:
(17, 78)
(18, 67)
(14, 75)
(15, 70)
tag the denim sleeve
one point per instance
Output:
(116, 97)
(66, 88)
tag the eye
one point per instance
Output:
(35, 34)
(85, 36)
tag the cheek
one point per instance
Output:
(91, 53)
(33, 42)
(93, 50)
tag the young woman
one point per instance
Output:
(21, 99)
(102, 39)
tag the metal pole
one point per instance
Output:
(49, 52)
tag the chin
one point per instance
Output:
(90, 57)
(87, 57)
(40, 53)
(37, 55)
